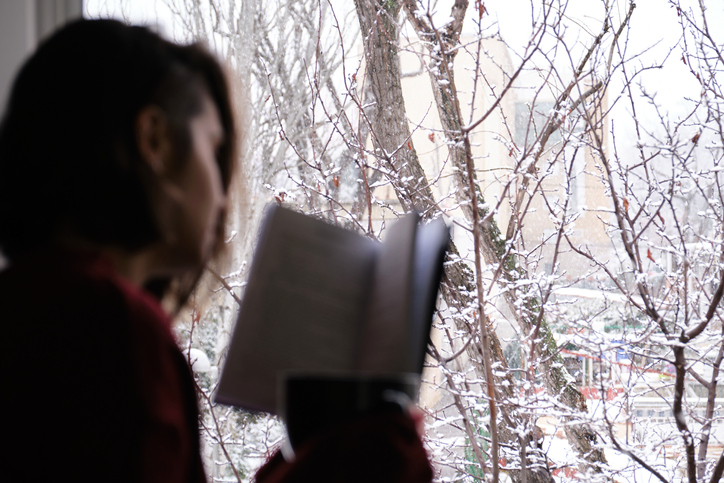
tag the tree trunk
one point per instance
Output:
(442, 43)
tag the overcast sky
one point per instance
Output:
(654, 32)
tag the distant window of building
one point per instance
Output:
(530, 120)
(577, 181)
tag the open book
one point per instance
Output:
(324, 300)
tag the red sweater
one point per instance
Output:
(96, 388)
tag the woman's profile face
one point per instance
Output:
(199, 196)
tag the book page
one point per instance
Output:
(384, 340)
(302, 307)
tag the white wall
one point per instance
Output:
(22, 23)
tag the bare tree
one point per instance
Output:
(666, 201)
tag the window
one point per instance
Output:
(530, 121)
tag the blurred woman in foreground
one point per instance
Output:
(116, 155)
(116, 151)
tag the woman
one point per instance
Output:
(116, 153)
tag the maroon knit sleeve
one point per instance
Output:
(382, 448)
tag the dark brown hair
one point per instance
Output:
(68, 155)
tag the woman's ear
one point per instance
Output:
(153, 140)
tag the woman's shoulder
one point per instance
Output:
(69, 314)
(70, 329)
(55, 282)
(66, 303)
